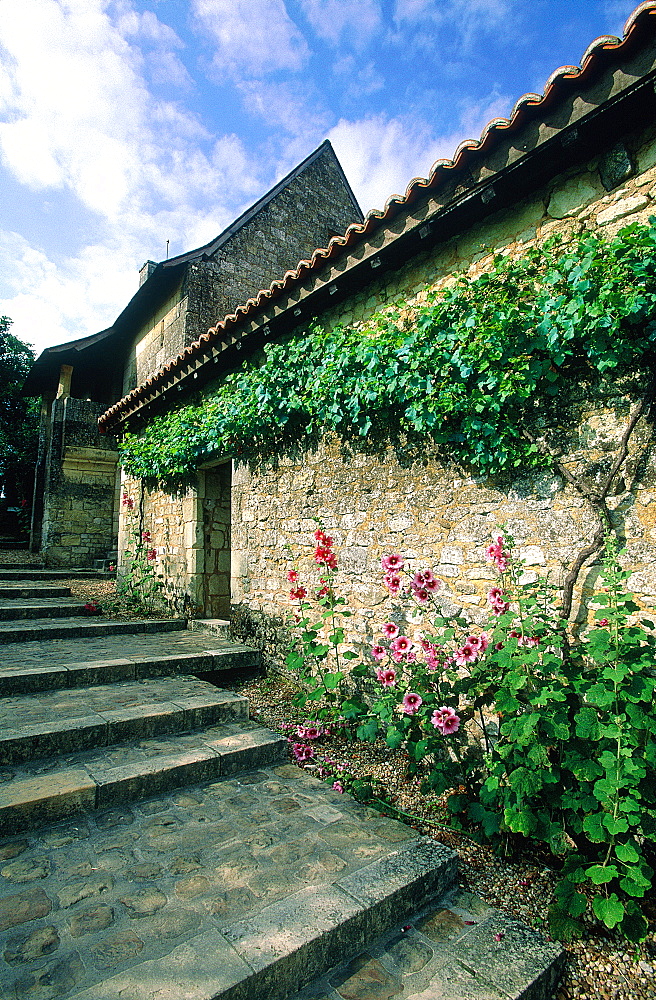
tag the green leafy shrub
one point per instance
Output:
(533, 733)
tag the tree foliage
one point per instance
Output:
(18, 417)
(468, 371)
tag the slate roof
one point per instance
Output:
(562, 83)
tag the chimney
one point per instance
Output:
(146, 271)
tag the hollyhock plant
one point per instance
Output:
(378, 652)
(302, 752)
(292, 576)
(310, 730)
(412, 702)
(401, 644)
(386, 677)
(390, 630)
(392, 564)
(446, 720)
(393, 583)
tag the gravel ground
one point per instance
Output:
(600, 965)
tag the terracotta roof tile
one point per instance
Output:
(559, 82)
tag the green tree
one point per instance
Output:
(18, 419)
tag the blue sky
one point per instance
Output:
(127, 123)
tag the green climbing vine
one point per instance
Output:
(478, 371)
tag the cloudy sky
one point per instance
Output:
(127, 123)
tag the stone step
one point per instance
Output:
(23, 609)
(26, 572)
(456, 948)
(12, 545)
(26, 590)
(31, 666)
(242, 889)
(78, 719)
(69, 628)
(49, 790)
(218, 627)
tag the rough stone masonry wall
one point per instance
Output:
(435, 516)
(80, 487)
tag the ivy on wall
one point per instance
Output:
(470, 371)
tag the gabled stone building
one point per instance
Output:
(75, 515)
(580, 157)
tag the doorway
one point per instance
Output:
(216, 535)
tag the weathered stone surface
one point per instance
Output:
(442, 926)
(409, 954)
(115, 949)
(39, 943)
(571, 196)
(367, 979)
(26, 871)
(23, 906)
(72, 894)
(89, 921)
(53, 980)
(144, 904)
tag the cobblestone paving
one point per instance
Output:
(458, 948)
(85, 901)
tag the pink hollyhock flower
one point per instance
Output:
(299, 594)
(391, 564)
(498, 645)
(323, 538)
(127, 501)
(426, 645)
(432, 662)
(484, 641)
(466, 654)
(473, 641)
(500, 608)
(401, 644)
(145, 536)
(393, 583)
(386, 677)
(378, 652)
(421, 595)
(310, 731)
(397, 657)
(446, 720)
(292, 576)
(418, 579)
(603, 623)
(151, 555)
(301, 752)
(390, 630)
(412, 703)
(338, 787)
(494, 595)
(410, 657)
(432, 584)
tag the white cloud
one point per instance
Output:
(463, 20)
(251, 37)
(358, 80)
(352, 24)
(380, 156)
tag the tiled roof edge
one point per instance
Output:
(375, 217)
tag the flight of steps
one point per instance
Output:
(156, 844)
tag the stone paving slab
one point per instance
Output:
(15, 609)
(29, 574)
(11, 590)
(82, 718)
(60, 663)
(456, 948)
(50, 789)
(174, 897)
(76, 628)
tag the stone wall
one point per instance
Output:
(437, 516)
(79, 473)
(313, 206)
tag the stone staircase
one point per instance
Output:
(155, 844)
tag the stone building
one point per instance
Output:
(581, 157)
(75, 513)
